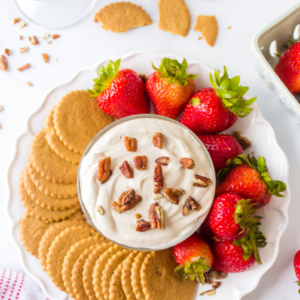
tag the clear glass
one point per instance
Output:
(55, 14)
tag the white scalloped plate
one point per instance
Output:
(254, 127)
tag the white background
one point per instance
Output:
(86, 43)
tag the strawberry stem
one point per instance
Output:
(275, 187)
(231, 93)
(193, 269)
(105, 75)
(174, 71)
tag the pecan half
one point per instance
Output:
(104, 171)
(126, 197)
(157, 140)
(158, 178)
(142, 225)
(126, 201)
(3, 63)
(191, 204)
(163, 160)
(187, 163)
(201, 181)
(140, 162)
(126, 170)
(172, 195)
(156, 216)
(130, 143)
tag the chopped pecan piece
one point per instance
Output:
(142, 225)
(45, 57)
(157, 140)
(24, 67)
(191, 204)
(104, 171)
(216, 284)
(100, 210)
(23, 49)
(55, 36)
(140, 162)
(158, 178)
(3, 63)
(16, 20)
(201, 181)
(34, 40)
(126, 201)
(156, 216)
(7, 51)
(208, 292)
(163, 160)
(138, 216)
(187, 163)
(130, 143)
(126, 170)
(172, 195)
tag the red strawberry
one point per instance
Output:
(221, 147)
(212, 110)
(288, 68)
(230, 216)
(120, 93)
(194, 258)
(249, 178)
(297, 266)
(170, 87)
(229, 258)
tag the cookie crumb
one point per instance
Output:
(45, 57)
(20, 37)
(0, 126)
(24, 67)
(7, 51)
(55, 36)
(21, 24)
(138, 216)
(100, 210)
(208, 26)
(46, 36)
(23, 49)
(200, 38)
(229, 27)
(49, 42)
(1, 108)
(29, 83)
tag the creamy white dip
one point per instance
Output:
(178, 142)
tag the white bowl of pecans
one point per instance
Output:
(146, 182)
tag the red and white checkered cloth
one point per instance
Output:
(17, 286)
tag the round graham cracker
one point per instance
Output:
(77, 119)
(51, 233)
(56, 144)
(31, 231)
(159, 281)
(50, 188)
(109, 269)
(49, 164)
(115, 285)
(43, 200)
(60, 247)
(99, 268)
(72, 257)
(77, 271)
(126, 275)
(41, 213)
(135, 275)
(89, 267)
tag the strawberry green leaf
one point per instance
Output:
(193, 269)
(251, 241)
(105, 75)
(275, 187)
(231, 93)
(174, 71)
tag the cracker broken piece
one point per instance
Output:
(174, 16)
(208, 26)
(121, 16)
